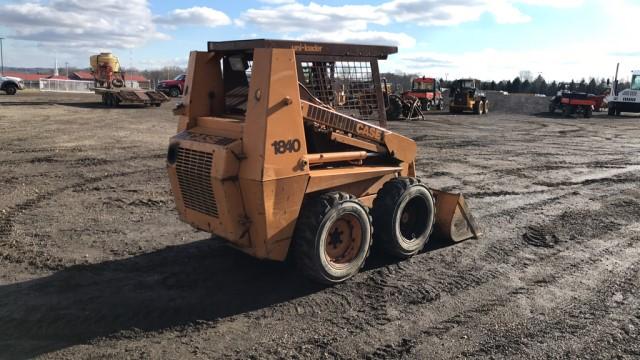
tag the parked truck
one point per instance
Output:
(10, 85)
(627, 100)
(173, 88)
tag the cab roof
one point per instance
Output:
(304, 48)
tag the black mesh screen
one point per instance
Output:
(347, 86)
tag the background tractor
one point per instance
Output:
(428, 91)
(277, 153)
(465, 95)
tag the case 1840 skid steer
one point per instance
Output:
(274, 156)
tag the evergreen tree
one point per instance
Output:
(592, 87)
(515, 85)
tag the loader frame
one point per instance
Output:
(275, 141)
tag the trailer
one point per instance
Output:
(125, 96)
(109, 80)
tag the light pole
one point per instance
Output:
(1, 58)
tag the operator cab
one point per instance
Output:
(425, 85)
(342, 76)
(635, 80)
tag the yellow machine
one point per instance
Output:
(465, 95)
(275, 157)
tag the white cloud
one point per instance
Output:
(296, 17)
(290, 15)
(455, 12)
(277, 2)
(561, 63)
(81, 25)
(197, 15)
(363, 37)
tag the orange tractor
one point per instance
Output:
(277, 158)
(427, 91)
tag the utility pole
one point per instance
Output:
(66, 65)
(1, 58)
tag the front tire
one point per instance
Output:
(332, 237)
(11, 89)
(403, 217)
(174, 92)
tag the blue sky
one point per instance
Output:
(487, 39)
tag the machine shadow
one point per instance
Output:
(178, 285)
(200, 281)
(378, 259)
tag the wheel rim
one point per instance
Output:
(413, 217)
(343, 240)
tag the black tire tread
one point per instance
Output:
(385, 202)
(311, 215)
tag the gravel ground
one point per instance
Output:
(94, 263)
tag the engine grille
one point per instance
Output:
(194, 178)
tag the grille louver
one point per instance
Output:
(194, 178)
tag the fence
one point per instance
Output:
(71, 86)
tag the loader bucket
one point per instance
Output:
(453, 218)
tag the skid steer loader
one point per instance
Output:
(272, 158)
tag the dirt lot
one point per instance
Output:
(94, 263)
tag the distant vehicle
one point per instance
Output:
(570, 102)
(540, 95)
(626, 100)
(173, 88)
(109, 82)
(428, 91)
(11, 85)
(465, 95)
(505, 93)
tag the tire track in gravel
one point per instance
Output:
(530, 284)
(452, 284)
(410, 285)
(8, 215)
(572, 324)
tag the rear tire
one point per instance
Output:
(332, 237)
(588, 112)
(566, 111)
(486, 107)
(403, 217)
(612, 110)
